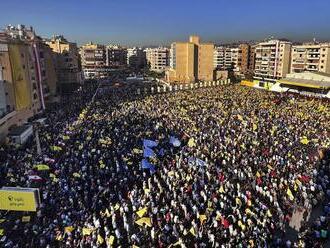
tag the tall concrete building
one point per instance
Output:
(191, 61)
(68, 67)
(94, 61)
(158, 58)
(310, 57)
(116, 56)
(234, 59)
(272, 59)
(136, 58)
(223, 58)
(21, 87)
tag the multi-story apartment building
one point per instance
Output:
(116, 56)
(68, 67)
(21, 90)
(191, 61)
(272, 59)
(234, 59)
(310, 57)
(94, 61)
(158, 58)
(44, 65)
(136, 58)
(245, 50)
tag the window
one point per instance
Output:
(321, 66)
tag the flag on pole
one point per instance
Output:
(175, 141)
(149, 143)
(148, 152)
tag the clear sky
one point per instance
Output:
(156, 22)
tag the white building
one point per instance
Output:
(311, 57)
(227, 58)
(272, 59)
(158, 58)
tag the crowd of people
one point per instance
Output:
(244, 164)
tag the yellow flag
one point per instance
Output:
(258, 174)
(295, 187)
(107, 213)
(192, 231)
(221, 190)
(255, 127)
(117, 206)
(238, 201)
(26, 218)
(87, 231)
(269, 214)
(144, 220)
(141, 212)
(68, 229)
(240, 117)
(289, 193)
(297, 182)
(2, 232)
(191, 142)
(111, 239)
(100, 239)
(2, 220)
(202, 218)
(76, 174)
(304, 140)
(66, 137)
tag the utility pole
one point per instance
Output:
(38, 142)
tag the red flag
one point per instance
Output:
(225, 222)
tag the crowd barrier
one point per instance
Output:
(172, 88)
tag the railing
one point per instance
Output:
(180, 87)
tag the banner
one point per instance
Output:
(22, 89)
(20, 199)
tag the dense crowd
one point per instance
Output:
(243, 164)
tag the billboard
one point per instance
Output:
(19, 199)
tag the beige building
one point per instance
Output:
(272, 59)
(310, 57)
(158, 58)
(94, 61)
(19, 87)
(66, 57)
(191, 61)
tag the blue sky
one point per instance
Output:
(156, 22)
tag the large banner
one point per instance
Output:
(19, 199)
(20, 74)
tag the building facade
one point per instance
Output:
(116, 56)
(158, 58)
(66, 57)
(136, 58)
(235, 59)
(21, 90)
(191, 61)
(310, 57)
(272, 59)
(94, 61)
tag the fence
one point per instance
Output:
(172, 88)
